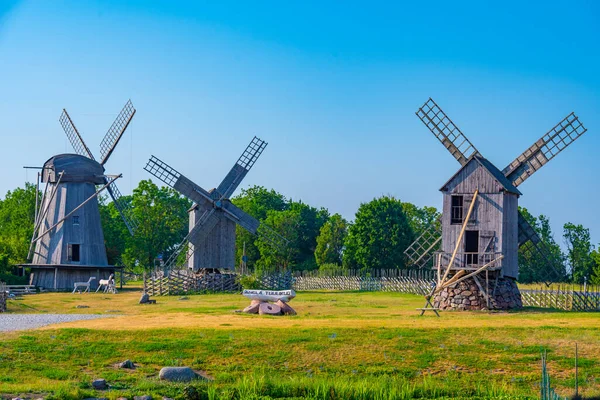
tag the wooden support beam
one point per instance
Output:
(460, 236)
(469, 275)
(77, 208)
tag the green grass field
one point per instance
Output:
(340, 346)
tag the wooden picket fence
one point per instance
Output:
(182, 281)
(565, 297)
(3, 297)
(185, 281)
(417, 281)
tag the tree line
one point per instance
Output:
(381, 231)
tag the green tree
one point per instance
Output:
(380, 234)
(17, 213)
(579, 251)
(300, 225)
(533, 267)
(162, 219)
(595, 279)
(272, 258)
(116, 236)
(420, 218)
(256, 201)
(330, 242)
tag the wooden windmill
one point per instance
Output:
(481, 228)
(68, 242)
(213, 217)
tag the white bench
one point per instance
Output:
(86, 285)
(18, 290)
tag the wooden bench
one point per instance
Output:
(19, 290)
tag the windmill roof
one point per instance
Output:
(76, 168)
(493, 170)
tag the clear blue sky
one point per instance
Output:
(332, 87)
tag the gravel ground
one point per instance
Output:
(17, 322)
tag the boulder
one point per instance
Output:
(178, 374)
(127, 364)
(285, 308)
(145, 298)
(99, 384)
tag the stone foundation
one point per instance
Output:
(467, 296)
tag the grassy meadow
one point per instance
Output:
(342, 345)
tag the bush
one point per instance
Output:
(249, 282)
(332, 270)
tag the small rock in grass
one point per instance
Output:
(128, 364)
(178, 374)
(81, 306)
(145, 397)
(145, 298)
(100, 384)
(184, 298)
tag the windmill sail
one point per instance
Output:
(74, 137)
(123, 207)
(115, 132)
(446, 132)
(546, 148)
(421, 251)
(241, 167)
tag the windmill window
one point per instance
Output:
(456, 211)
(73, 252)
(75, 219)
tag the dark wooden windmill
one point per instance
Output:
(68, 242)
(475, 245)
(213, 218)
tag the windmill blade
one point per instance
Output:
(74, 137)
(115, 131)
(122, 207)
(545, 149)
(241, 167)
(530, 241)
(177, 181)
(240, 217)
(273, 238)
(421, 251)
(446, 132)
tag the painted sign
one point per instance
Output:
(269, 295)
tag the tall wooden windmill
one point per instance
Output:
(481, 228)
(68, 242)
(213, 217)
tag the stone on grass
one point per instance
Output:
(285, 308)
(127, 364)
(145, 397)
(99, 384)
(269, 309)
(251, 309)
(81, 306)
(145, 298)
(178, 374)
